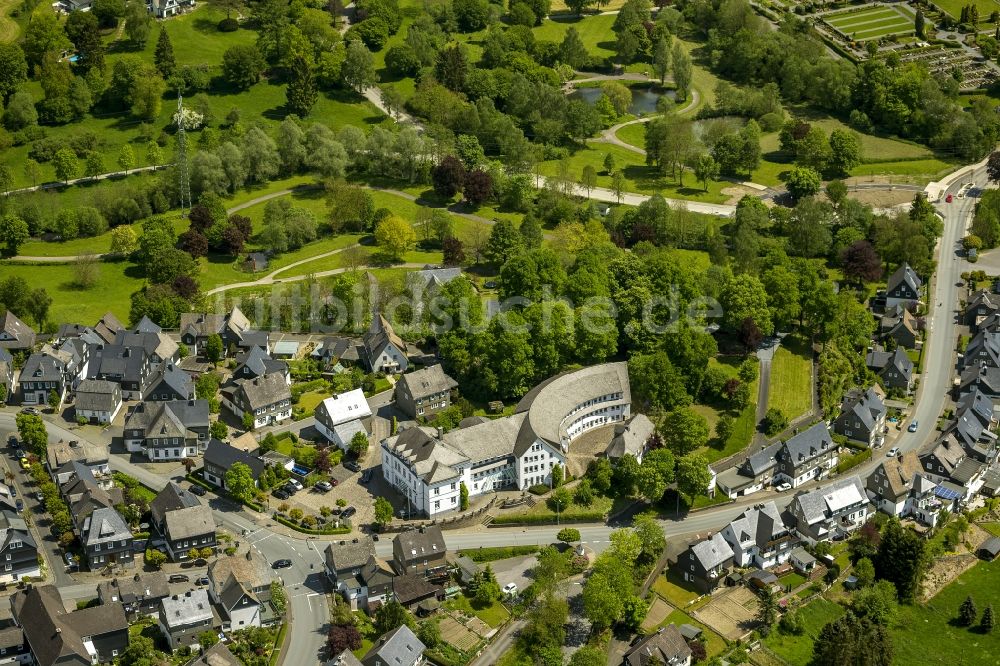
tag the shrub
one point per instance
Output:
(538, 489)
(228, 25)
(489, 554)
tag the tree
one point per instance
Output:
(448, 176)
(724, 427)
(609, 164)
(429, 633)
(767, 610)
(358, 69)
(155, 558)
(987, 621)
(477, 187)
(66, 165)
(661, 58)
(861, 263)
(588, 179)
(302, 93)
(54, 400)
(572, 50)
(126, 158)
(845, 151)
(138, 22)
(383, 511)
(568, 535)
(218, 430)
(123, 240)
(207, 639)
(31, 432)
(504, 242)
(248, 420)
(392, 615)
(463, 497)
(214, 348)
(682, 71)
(864, 571)
(557, 475)
(967, 612)
(851, 640)
(13, 232)
(993, 166)
(164, 54)
(706, 169)
(774, 421)
(359, 444)
(240, 482)
(603, 604)
(901, 559)
(343, 637)
(919, 24)
(395, 236)
(684, 430)
(693, 475)
(876, 603)
(650, 535)
(242, 65)
(13, 69)
(803, 182)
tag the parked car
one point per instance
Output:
(179, 578)
(323, 487)
(70, 560)
(281, 564)
(510, 590)
(949, 199)
(783, 487)
(913, 426)
(290, 489)
(13, 490)
(893, 452)
(294, 483)
(348, 512)
(19, 504)
(352, 465)
(367, 476)
(198, 490)
(25, 464)
(203, 580)
(29, 410)
(281, 493)
(12, 442)
(40, 497)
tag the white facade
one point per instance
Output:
(535, 466)
(264, 416)
(592, 414)
(391, 360)
(101, 416)
(339, 410)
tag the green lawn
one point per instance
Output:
(954, 7)
(493, 614)
(992, 528)
(925, 633)
(115, 283)
(798, 649)
(714, 643)
(792, 580)
(791, 378)
(595, 31)
(309, 400)
(633, 134)
(745, 421)
(673, 589)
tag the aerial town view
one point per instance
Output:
(499, 332)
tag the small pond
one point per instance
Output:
(643, 99)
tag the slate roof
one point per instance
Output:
(420, 544)
(98, 395)
(985, 378)
(904, 274)
(14, 528)
(879, 360)
(866, 405)
(169, 418)
(179, 381)
(181, 512)
(223, 455)
(409, 588)
(183, 609)
(822, 503)
(666, 646)
(22, 334)
(109, 326)
(898, 473)
(949, 453)
(217, 655)
(104, 525)
(399, 646)
(159, 344)
(56, 635)
(713, 551)
(332, 348)
(42, 367)
(808, 444)
(246, 569)
(345, 658)
(259, 392)
(762, 461)
(759, 525)
(353, 554)
(435, 277)
(344, 407)
(259, 362)
(146, 325)
(427, 381)
(630, 437)
(138, 588)
(380, 335)
(61, 453)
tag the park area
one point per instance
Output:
(872, 22)
(791, 378)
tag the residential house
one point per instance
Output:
(234, 329)
(666, 646)
(420, 551)
(384, 350)
(18, 550)
(519, 450)
(168, 382)
(267, 398)
(431, 278)
(166, 8)
(356, 574)
(807, 456)
(217, 655)
(759, 537)
(109, 326)
(752, 475)
(340, 417)
(65, 459)
(399, 647)
(44, 373)
(240, 586)
(219, 457)
(983, 350)
(897, 487)
(894, 368)
(903, 287)
(416, 593)
(345, 658)
(862, 417)
(424, 392)
(984, 378)
(183, 617)
(140, 595)
(899, 325)
(105, 537)
(15, 335)
(631, 438)
(837, 508)
(980, 306)
(56, 637)
(171, 430)
(256, 363)
(158, 347)
(13, 646)
(7, 385)
(803, 562)
(333, 350)
(98, 401)
(705, 564)
(183, 521)
(130, 367)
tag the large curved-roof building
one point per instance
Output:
(513, 451)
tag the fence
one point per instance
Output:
(451, 523)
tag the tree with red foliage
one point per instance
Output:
(654, 442)
(322, 461)
(200, 218)
(233, 239)
(478, 187)
(448, 176)
(730, 388)
(698, 652)
(342, 637)
(993, 166)
(861, 262)
(243, 223)
(454, 252)
(194, 243)
(750, 334)
(185, 286)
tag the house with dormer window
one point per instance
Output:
(267, 398)
(420, 551)
(903, 287)
(171, 430)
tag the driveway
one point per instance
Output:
(517, 570)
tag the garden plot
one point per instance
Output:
(871, 23)
(458, 635)
(732, 612)
(938, 59)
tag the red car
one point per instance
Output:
(948, 199)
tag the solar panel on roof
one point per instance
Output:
(946, 493)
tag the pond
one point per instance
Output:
(643, 99)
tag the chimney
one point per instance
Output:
(58, 630)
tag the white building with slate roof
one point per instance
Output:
(838, 508)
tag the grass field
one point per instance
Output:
(798, 649)
(115, 284)
(493, 614)
(791, 378)
(872, 23)
(9, 29)
(954, 7)
(595, 31)
(714, 643)
(927, 634)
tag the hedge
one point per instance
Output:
(548, 519)
(305, 530)
(491, 553)
(278, 640)
(853, 461)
